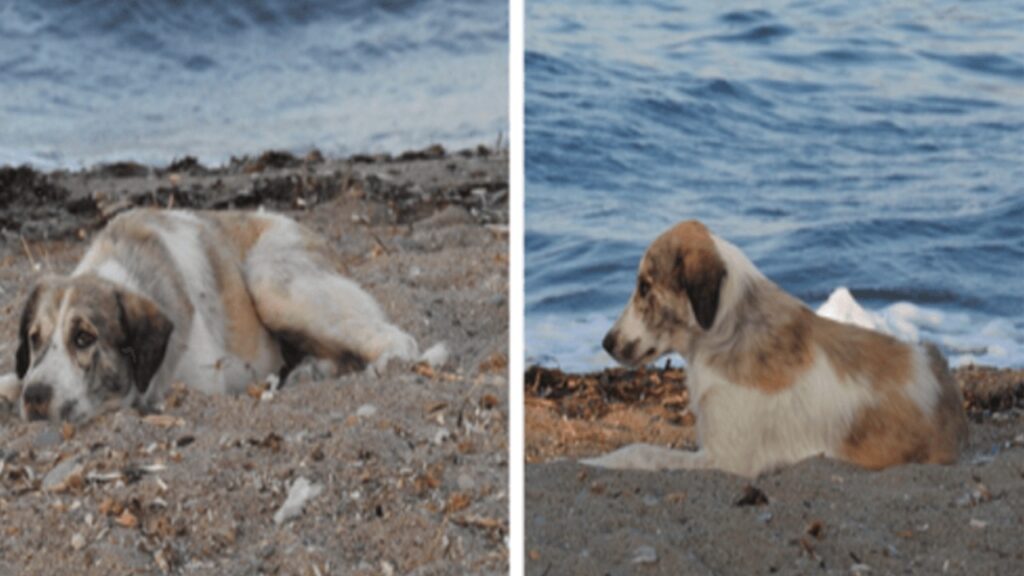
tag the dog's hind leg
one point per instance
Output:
(649, 457)
(300, 298)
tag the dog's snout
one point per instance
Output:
(609, 341)
(37, 401)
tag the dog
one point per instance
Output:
(217, 300)
(770, 382)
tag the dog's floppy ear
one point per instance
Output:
(24, 355)
(146, 332)
(701, 272)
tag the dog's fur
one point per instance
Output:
(770, 382)
(217, 300)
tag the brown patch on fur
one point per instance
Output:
(950, 417)
(896, 431)
(244, 332)
(38, 321)
(774, 338)
(685, 259)
(855, 352)
(243, 229)
(132, 238)
(766, 342)
(892, 431)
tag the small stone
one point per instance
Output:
(59, 478)
(441, 436)
(979, 524)
(465, 482)
(48, 437)
(366, 411)
(77, 541)
(860, 568)
(645, 555)
(300, 491)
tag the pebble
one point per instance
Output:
(442, 435)
(50, 436)
(436, 355)
(465, 482)
(78, 541)
(57, 478)
(645, 555)
(651, 500)
(979, 524)
(366, 411)
(860, 568)
(300, 491)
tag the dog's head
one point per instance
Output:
(676, 296)
(85, 341)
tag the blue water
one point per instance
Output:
(873, 145)
(83, 81)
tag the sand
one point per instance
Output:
(817, 517)
(406, 473)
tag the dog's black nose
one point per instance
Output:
(37, 401)
(609, 342)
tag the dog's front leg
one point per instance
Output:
(650, 457)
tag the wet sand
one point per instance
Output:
(819, 516)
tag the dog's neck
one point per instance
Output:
(749, 306)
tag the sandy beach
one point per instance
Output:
(412, 467)
(819, 516)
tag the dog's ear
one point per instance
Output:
(701, 274)
(146, 332)
(24, 354)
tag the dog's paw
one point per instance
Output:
(399, 346)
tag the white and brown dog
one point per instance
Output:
(217, 300)
(770, 382)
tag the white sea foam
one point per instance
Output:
(965, 340)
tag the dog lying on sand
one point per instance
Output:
(218, 300)
(771, 382)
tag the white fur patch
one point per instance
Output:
(113, 271)
(746, 431)
(56, 368)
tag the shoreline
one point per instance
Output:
(574, 414)
(818, 515)
(63, 203)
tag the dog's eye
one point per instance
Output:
(36, 340)
(643, 287)
(84, 339)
